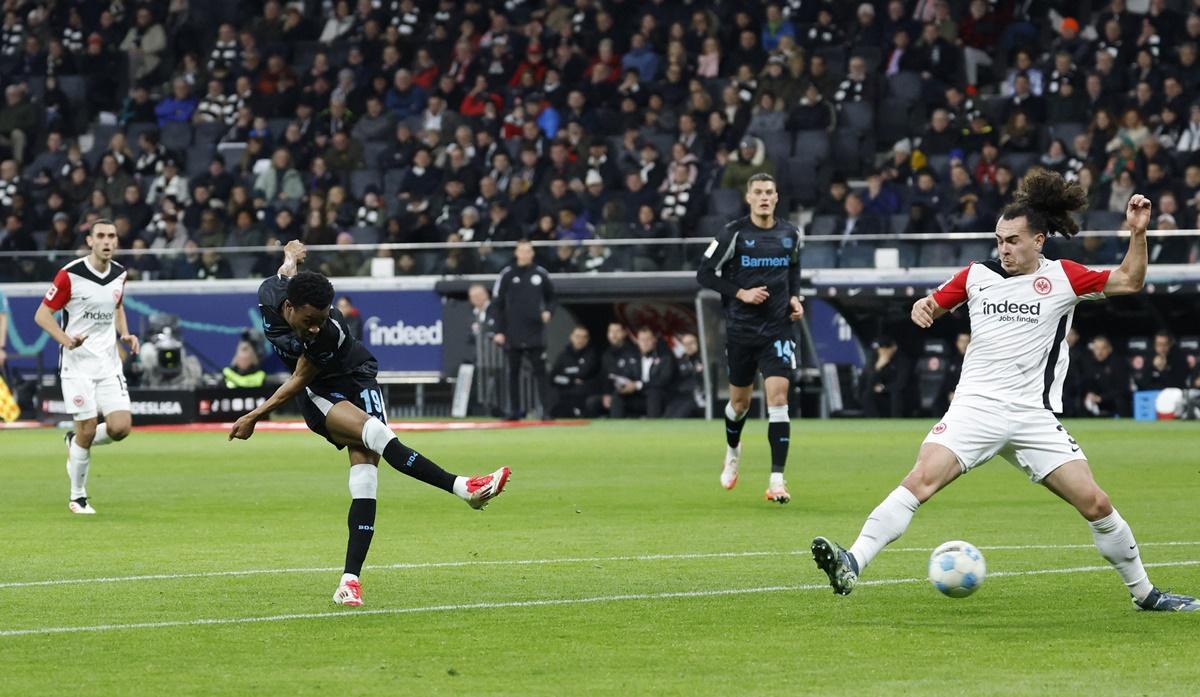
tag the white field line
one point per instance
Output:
(548, 602)
(508, 562)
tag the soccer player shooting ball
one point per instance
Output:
(333, 383)
(1011, 386)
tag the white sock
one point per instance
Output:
(102, 437)
(776, 480)
(348, 577)
(1115, 541)
(78, 460)
(460, 488)
(886, 523)
(732, 414)
(364, 481)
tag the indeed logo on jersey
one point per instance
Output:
(749, 262)
(97, 316)
(401, 334)
(1014, 312)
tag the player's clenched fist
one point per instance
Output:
(753, 296)
(243, 428)
(922, 312)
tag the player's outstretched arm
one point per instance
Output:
(122, 324)
(306, 371)
(1130, 276)
(293, 256)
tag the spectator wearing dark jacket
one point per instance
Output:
(646, 391)
(1105, 381)
(575, 375)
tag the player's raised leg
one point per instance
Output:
(364, 482)
(936, 467)
(1073, 482)
(735, 418)
(779, 435)
(352, 426)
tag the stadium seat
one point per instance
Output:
(871, 54)
(849, 148)
(812, 146)
(939, 254)
(858, 256)
(910, 254)
(208, 132)
(242, 265)
(726, 203)
(365, 234)
(1066, 131)
(940, 164)
(277, 126)
(905, 86)
(133, 131)
(711, 226)
(857, 116)
(74, 88)
(232, 152)
(823, 225)
(835, 58)
(802, 180)
(199, 156)
(176, 137)
(392, 179)
(1019, 162)
(360, 179)
(819, 255)
(975, 250)
(895, 120)
(1104, 220)
(372, 152)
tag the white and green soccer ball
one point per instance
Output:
(957, 569)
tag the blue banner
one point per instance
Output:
(832, 335)
(402, 328)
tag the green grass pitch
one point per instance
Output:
(613, 565)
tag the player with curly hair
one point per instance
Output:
(333, 383)
(1010, 389)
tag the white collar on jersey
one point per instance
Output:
(93, 269)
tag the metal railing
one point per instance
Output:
(597, 255)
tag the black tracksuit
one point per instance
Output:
(520, 296)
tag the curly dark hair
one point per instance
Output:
(310, 288)
(1046, 201)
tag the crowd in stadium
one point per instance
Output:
(247, 123)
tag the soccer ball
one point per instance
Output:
(956, 568)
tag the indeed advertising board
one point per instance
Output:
(401, 327)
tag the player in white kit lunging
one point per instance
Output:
(89, 292)
(1011, 386)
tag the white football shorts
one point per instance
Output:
(87, 397)
(976, 429)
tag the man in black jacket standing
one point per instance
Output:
(524, 301)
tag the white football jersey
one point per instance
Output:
(89, 302)
(1018, 352)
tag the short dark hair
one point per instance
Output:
(759, 177)
(310, 288)
(100, 221)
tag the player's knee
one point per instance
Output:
(740, 405)
(118, 431)
(1096, 505)
(85, 434)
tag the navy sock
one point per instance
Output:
(361, 522)
(417, 466)
(779, 433)
(733, 431)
